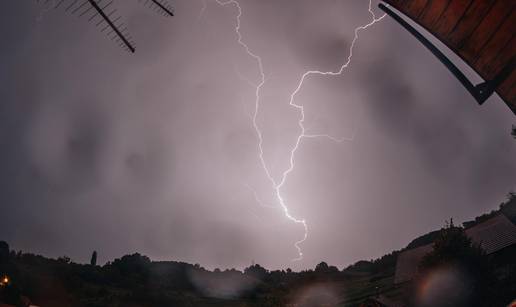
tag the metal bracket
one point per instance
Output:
(487, 88)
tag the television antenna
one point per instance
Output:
(105, 16)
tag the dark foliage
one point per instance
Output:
(453, 246)
(136, 281)
(4, 251)
(454, 252)
(256, 271)
(93, 260)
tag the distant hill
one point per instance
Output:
(136, 281)
(507, 208)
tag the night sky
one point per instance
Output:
(155, 152)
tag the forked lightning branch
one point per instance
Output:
(276, 184)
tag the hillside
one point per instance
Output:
(134, 280)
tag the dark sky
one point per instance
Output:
(155, 152)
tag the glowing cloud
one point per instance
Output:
(277, 185)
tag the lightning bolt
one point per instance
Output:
(277, 185)
(203, 9)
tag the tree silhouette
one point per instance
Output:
(513, 133)
(454, 250)
(256, 271)
(93, 260)
(452, 246)
(4, 257)
(321, 267)
(4, 251)
(64, 259)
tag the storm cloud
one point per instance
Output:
(155, 152)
